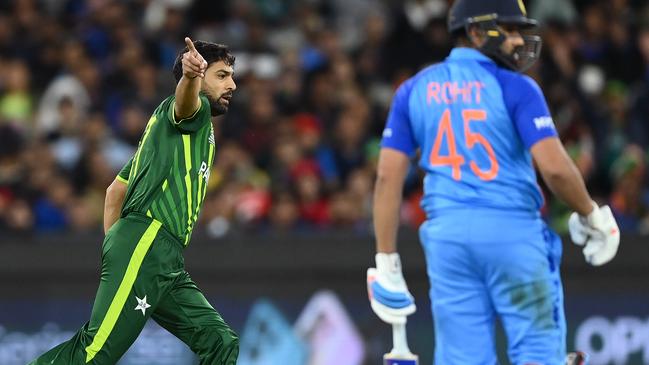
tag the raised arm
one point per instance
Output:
(189, 86)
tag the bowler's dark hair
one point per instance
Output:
(211, 52)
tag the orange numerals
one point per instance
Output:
(456, 160)
(453, 158)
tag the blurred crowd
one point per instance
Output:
(298, 148)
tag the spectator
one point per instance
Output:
(284, 212)
(316, 79)
(16, 103)
(308, 184)
(50, 210)
(630, 198)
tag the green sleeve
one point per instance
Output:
(124, 172)
(193, 123)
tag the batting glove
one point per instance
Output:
(387, 290)
(597, 232)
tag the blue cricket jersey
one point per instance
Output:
(474, 123)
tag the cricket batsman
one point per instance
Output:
(149, 215)
(480, 125)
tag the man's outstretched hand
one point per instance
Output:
(194, 64)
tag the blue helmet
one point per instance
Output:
(488, 15)
(465, 12)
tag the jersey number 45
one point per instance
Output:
(456, 160)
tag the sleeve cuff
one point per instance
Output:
(121, 179)
(538, 138)
(408, 151)
(173, 113)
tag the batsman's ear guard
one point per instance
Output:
(487, 15)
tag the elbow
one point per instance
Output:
(556, 175)
(111, 190)
(553, 174)
(385, 174)
(115, 192)
(382, 178)
(110, 196)
(386, 181)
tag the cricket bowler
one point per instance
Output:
(480, 125)
(149, 215)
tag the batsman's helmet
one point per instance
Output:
(487, 15)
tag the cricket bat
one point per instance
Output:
(400, 354)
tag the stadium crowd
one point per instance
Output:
(298, 148)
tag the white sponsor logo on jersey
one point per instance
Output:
(543, 122)
(204, 172)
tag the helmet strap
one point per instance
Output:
(521, 58)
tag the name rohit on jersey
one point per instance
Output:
(543, 122)
(467, 92)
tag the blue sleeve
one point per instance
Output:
(528, 109)
(398, 132)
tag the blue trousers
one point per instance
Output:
(485, 265)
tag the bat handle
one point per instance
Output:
(399, 339)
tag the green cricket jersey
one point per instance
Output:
(167, 177)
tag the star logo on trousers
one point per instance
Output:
(142, 305)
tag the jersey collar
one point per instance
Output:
(466, 53)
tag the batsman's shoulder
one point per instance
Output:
(517, 80)
(423, 76)
(406, 86)
(430, 70)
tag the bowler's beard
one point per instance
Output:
(217, 106)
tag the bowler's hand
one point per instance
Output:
(194, 64)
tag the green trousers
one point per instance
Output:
(142, 276)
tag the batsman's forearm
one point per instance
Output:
(387, 204)
(568, 185)
(187, 101)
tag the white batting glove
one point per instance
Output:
(387, 290)
(597, 232)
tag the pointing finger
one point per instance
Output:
(190, 45)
